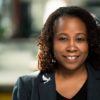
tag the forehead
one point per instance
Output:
(69, 22)
(68, 17)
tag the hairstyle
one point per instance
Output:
(46, 60)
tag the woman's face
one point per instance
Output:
(70, 43)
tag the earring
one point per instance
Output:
(53, 61)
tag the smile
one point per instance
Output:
(71, 58)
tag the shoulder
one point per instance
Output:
(23, 86)
(95, 72)
(28, 78)
(27, 85)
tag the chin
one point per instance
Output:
(73, 67)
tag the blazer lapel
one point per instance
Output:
(47, 89)
(93, 86)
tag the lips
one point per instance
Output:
(71, 58)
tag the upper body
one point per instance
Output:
(68, 41)
(35, 87)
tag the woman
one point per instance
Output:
(68, 59)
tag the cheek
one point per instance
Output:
(84, 48)
(58, 47)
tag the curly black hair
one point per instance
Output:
(45, 56)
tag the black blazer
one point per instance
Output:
(42, 86)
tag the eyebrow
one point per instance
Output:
(64, 34)
(85, 34)
(61, 34)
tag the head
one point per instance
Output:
(48, 57)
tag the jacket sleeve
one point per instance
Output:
(22, 89)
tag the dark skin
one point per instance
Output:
(70, 51)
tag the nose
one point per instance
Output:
(72, 47)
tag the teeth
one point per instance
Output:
(71, 58)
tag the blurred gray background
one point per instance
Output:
(20, 24)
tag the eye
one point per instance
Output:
(81, 39)
(63, 38)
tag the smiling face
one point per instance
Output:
(70, 43)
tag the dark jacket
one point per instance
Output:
(42, 86)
